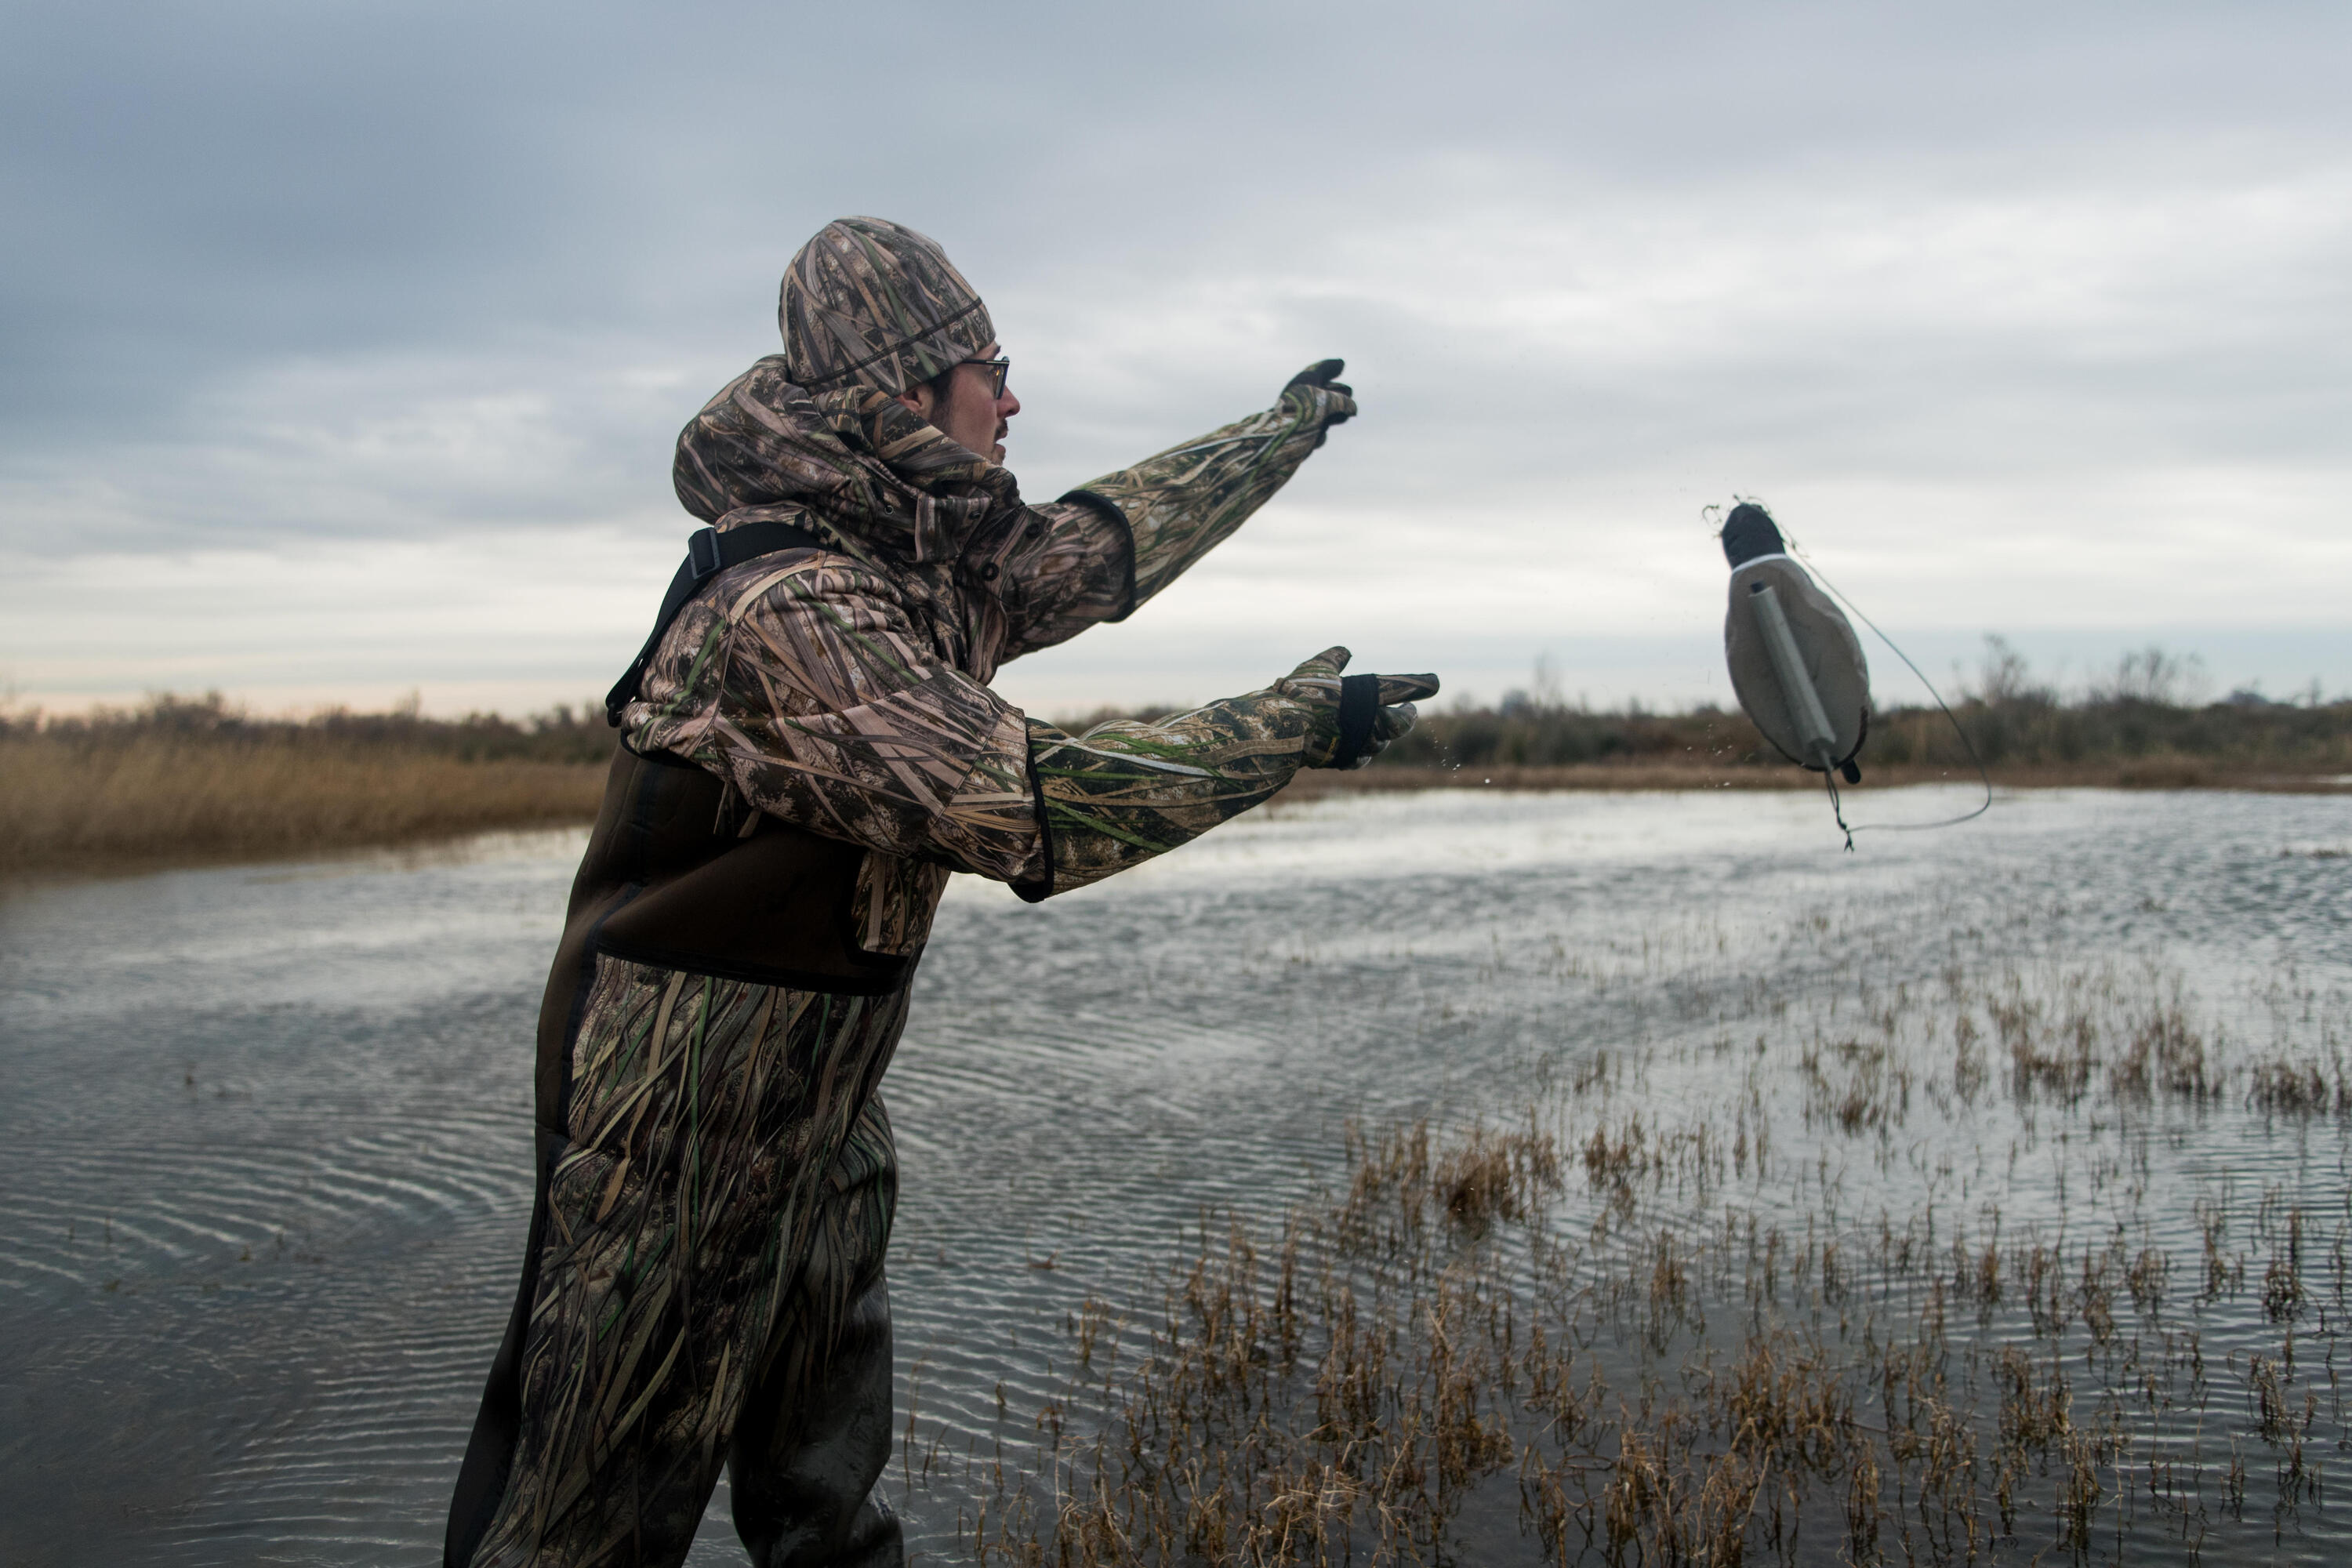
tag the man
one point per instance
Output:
(811, 748)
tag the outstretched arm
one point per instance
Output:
(1115, 542)
(801, 684)
(1130, 789)
(1182, 503)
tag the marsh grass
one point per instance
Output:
(1895, 1278)
(189, 782)
(158, 803)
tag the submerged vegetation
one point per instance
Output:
(2027, 1264)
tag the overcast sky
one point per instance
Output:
(345, 343)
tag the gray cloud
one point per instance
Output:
(2069, 284)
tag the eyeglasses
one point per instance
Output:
(1001, 365)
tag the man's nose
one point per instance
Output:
(1007, 406)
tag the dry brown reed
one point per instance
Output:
(71, 809)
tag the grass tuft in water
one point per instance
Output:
(1851, 1295)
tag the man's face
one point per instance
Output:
(972, 415)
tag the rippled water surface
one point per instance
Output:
(263, 1132)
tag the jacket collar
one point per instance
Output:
(867, 467)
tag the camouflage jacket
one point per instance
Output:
(846, 690)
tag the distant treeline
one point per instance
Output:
(187, 779)
(2147, 708)
(2018, 732)
(2147, 711)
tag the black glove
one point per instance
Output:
(1358, 715)
(1318, 390)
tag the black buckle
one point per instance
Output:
(702, 553)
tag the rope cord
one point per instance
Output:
(1836, 807)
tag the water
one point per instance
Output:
(263, 1132)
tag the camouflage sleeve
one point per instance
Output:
(1129, 790)
(804, 685)
(1182, 503)
(1078, 572)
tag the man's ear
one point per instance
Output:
(921, 400)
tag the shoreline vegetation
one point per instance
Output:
(188, 781)
(193, 781)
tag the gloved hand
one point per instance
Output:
(1317, 391)
(1357, 715)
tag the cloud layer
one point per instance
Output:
(344, 346)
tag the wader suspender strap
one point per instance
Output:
(707, 553)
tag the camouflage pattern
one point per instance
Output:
(710, 1274)
(847, 689)
(872, 303)
(1126, 791)
(881, 485)
(1183, 502)
(725, 1196)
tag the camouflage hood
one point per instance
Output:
(868, 468)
